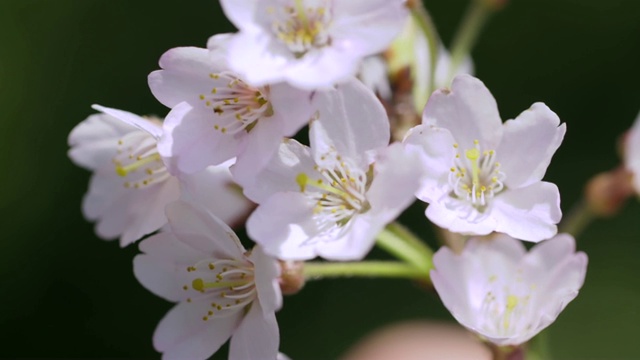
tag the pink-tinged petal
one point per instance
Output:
(395, 169)
(267, 271)
(128, 213)
(447, 216)
(275, 58)
(280, 174)
(529, 213)
(214, 188)
(191, 143)
(468, 110)
(352, 119)
(185, 75)
(449, 280)
(198, 228)
(260, 145)
(367, 27)
(528, 144)
(149, 211)
(282, 224)
(354, 241)
(183, 334)
(94, 141)
(153, 128)
(162, 269)
(257, 337)
(436, 145)
(292, 107)
(240, 12)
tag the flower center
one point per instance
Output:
(229, 284)
(506, 309)
(236, 105)
(339, 192)
(476, 177)
(138, 161)
(302, 28)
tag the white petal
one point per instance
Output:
(239, 12)
(322, 68)
(353, 242)
(182, 334)
(196, 227)
(162, 267)
(214, 188)
(352, 119)
(126, 212)
(291, 106)
(436, 145)
(132, 119)
(528, 144)
(366, 27)
(632, 152)
(529, 213)
(190, 142)
(449, 216)
(260, 145)
(395, 169)
(267, 271)
(282, 224)
(257, 337)
(185, 75)
(275, 58)
(94, 141)
(280, 174)
(468, 110)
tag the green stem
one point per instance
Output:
(388, 269)
(412, 240)
(539, 347)
(464, 40)
(402, 249)
(424, 21)
(579, 217)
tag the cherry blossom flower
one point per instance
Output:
(499, 291)
(483, 175)
(217, 116)
(331, 199)
(222, 290)
(309, 43)
(131, 184)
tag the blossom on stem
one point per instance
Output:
(310, 44)
(131, 184)
(222, 290)
(331, 199)
(216, 115)
(482, 175)
(499, 291)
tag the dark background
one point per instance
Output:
(64, 292)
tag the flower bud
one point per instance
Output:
(291, 276)
(606, 192)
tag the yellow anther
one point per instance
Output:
(453, 169)
(214, 90)
(201, 97)
(302, 179)
(211, 266)
(476, 142)
(455, 146)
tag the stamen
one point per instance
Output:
(141, 161)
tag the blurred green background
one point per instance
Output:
(66, 293)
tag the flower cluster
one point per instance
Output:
(226, 153)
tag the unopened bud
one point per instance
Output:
(291, 276)
(606, 192)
